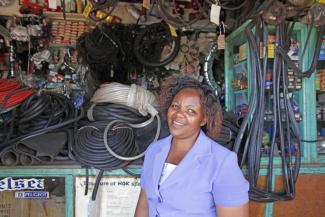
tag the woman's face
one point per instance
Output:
(186, 114)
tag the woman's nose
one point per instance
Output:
(180, 112)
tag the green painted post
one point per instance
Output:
(69, 196)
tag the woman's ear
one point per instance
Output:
(204, 121)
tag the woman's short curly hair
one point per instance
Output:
(212, 108)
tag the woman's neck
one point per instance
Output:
(179, 149)
(184, 143)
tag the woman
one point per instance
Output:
(187, 174)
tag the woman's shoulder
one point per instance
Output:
(218, 149)
(158, 144)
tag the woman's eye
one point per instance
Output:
(191, 111)
(174, 106)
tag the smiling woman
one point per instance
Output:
(186, 117)
(187, 174)
(207, 100)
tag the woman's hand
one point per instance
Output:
(228, 211)
(142, 209)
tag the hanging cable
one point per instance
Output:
(285, 127)
(320, 32)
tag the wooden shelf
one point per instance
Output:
(240, 91)
(69, 16)
(242, 64)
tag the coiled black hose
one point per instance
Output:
(111, 111)
(91, 140)
(99, 48)
(150, 43)
(89, 148)
(42, 111)
(39, 114)
(130, 141)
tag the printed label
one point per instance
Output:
(32, 194)
(116, 197)
(10, 184)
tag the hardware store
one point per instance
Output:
(80, 98)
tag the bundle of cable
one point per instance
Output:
(134, 96)
(12, 93)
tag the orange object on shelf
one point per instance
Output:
(12, 93)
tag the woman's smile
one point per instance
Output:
(186, 114)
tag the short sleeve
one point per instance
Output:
(230, 188)
(144, 170)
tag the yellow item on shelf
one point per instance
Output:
(243, 49)
(87, 10)
(79, 6)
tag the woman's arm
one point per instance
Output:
(228, 211)
(142, 209)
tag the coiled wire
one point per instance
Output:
(115, 136)
(89, 150)
(40, 113)
(109, 119)
(98, 48)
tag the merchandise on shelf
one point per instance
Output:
(243, 52)
(322, 51)
(270, 47)
(67, 32)
(320, 80)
